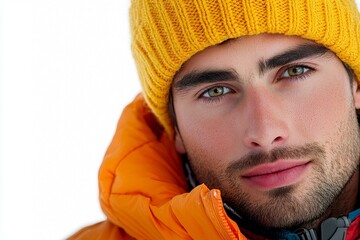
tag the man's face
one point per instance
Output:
(270, 121)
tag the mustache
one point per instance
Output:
(252, 159)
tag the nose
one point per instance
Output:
(266, 125)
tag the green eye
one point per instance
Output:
(216, 91)
(295, 71)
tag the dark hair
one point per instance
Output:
(172, 109)
(349, 71)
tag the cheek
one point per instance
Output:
(206, 135)
(317, 114)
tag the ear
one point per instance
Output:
(356, 93)
(179, 144)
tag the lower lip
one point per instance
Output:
(279, 179)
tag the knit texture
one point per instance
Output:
(166, 33)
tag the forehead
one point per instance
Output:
(245, 51)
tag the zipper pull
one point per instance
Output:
(334, 228)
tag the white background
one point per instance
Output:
(66, 72)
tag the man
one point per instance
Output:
(251, 130)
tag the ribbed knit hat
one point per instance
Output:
(166, 33)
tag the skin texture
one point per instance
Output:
(278, 137)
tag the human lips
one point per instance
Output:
(276, 174)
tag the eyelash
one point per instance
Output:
(216, 99)
(306, 72)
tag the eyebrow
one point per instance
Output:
(195, 78)
(300, 52)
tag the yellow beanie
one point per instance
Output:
(166, 33)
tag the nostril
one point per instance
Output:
(278, 139)
(255, 144)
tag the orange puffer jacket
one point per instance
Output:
(143, 191)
